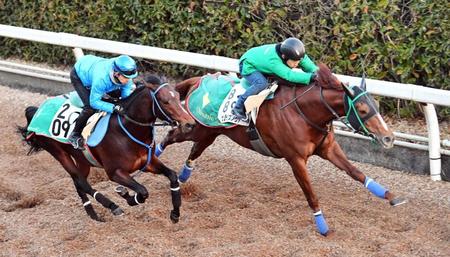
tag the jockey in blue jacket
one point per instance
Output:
(93, 77)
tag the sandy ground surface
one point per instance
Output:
(237, 203)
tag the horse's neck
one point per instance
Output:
(335, 98)
(140, 110)
(316, 109)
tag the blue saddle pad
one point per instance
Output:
(99, 131)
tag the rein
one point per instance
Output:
(149, 147)
(349, 107)
(322, 99)
(324, 131)
(149, 124)
(295, 97)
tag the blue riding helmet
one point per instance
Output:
(126, 66)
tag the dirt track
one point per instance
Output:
(237, 203)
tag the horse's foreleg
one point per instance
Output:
(158, 167)
(173, 136)
(196, 150)
(124, 179)
(301, 174)
(335, 155)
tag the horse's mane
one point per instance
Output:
(140, 86)
(326, 79)
(153, 79)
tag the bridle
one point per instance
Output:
(160, 110)
(352, 119)
(166, 118)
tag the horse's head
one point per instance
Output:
(363, 115)
(359, 107)
(166, 103)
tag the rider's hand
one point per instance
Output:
(119, 110)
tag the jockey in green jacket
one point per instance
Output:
(273, 59)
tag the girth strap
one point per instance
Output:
(257, 142)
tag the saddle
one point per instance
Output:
(56, 117)
(253, 102)
(210, 103)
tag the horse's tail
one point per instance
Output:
(185, 86)
(26, 135)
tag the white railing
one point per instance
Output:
(429, 96)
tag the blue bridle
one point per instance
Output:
(155, 100)
(134, 139)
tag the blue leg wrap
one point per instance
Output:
(185, 173)
(321, 223)
(158, 150)
(375, 188)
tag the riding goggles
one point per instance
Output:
(126, 73)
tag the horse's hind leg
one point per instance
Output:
(301, 174)
(81, 184)
(86, 203)
(84, 170)
(333, 152)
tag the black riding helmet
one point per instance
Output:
(292, 49)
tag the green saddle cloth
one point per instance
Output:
(56, 116)
(204, 102)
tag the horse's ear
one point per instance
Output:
(363, 83)
(349, 91)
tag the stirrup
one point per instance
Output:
(77, 142)
(239, 115)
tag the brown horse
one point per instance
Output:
(297, 124)
(127, 147)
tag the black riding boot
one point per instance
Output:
(75, 137)
(239, 109)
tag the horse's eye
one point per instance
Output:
(363, 109)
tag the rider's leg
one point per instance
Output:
(77, 84)
(75, 137)
(258, 83)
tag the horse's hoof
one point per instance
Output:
(328, 234)
(117, 211)
(174, 217)
(121, 190)
(397, 201)
(96, 218)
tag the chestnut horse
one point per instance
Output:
(127, 147)
(297, 124)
